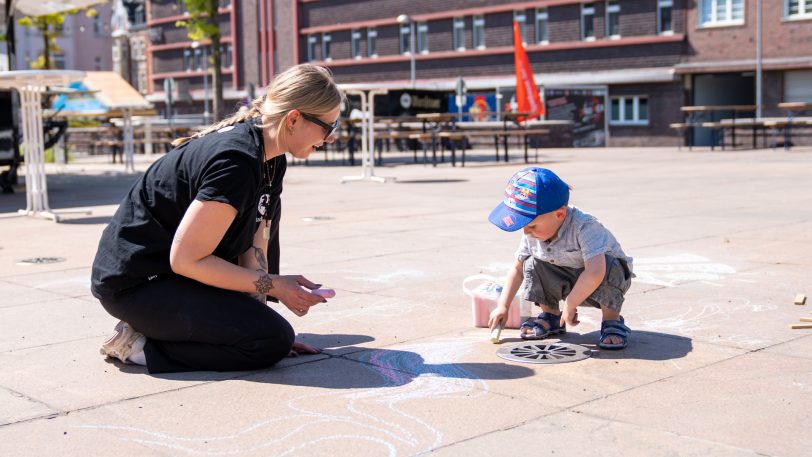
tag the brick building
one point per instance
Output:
(637, 60)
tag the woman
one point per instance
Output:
(185, 260)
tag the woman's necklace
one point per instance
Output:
(269, 177)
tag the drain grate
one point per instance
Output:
(40, 260)
(544, 353)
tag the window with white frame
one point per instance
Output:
(423, 37)
(459, 34)
(721, 12)
(325, 46)
(312, 46)
(588, 21)
(372, 38)
(355, 44)
(197, 59)
(520, 17)
(798, 9)
(613, 19)
(479, 31)
(629, 110)
(405, 37)
(542, 20)
(665, 23)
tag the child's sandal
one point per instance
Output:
(539, 332)
(614, 328)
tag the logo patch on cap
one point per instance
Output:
(508, 221)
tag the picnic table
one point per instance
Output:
(794, 110)
(694, 118)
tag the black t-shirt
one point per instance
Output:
(224, 166)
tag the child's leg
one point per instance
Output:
(609, 296)
(546, 285)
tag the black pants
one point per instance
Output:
(191, 326)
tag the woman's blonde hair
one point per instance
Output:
(307, 88)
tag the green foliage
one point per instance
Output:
(202, 22)
(50, 26)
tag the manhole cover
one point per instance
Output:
(40, 260)
(317, 218)
(544, 352)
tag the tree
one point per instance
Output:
(203, 24)
(50, 26)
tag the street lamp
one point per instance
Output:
(195, 45)
(404, 19)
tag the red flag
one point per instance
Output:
(527, 93)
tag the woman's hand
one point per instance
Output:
(301, 348)
(288, 289)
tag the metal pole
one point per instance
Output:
(758, 60)
(205, 86)
(411, 49)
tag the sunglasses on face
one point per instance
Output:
(328, 129)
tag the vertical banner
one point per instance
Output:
(527, 93)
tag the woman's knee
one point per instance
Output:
(275, 345)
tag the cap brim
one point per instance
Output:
(507, 219)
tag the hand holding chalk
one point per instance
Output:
(496, 332)
(324, 293)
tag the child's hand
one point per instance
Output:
(499, 314)
(569, 316)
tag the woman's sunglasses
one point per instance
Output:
(328, 129)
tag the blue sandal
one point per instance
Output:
(539, 332)
(617, 328)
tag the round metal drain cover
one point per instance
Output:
(40, 260)
(317, 218)
(544, 352)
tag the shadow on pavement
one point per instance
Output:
(71, 190)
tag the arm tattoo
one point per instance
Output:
(264, 284)
(262, 261)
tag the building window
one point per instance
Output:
(798, 9)
(325, 47)
(405, 37)
(721, 12)
(372, 37)
(665, 25)
(312, 45)
(479, 31)
(588, 21)
(629, 110)
(356, 44)
(98, 25)
(459, 33)
(520, 17)
(98, 63)
(541, 26)
(197, 59)
(187, 60)
(423, 37)
(613, 19)
(58, 61)
(226, 58)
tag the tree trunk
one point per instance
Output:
(46, 50)
(217, 78)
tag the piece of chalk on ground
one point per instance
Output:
(806, 319)
(495, 333)
(326, 293)
(800, 299)
(800, 326)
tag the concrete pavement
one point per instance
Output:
(722, 243)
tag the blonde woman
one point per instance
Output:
(192, 253)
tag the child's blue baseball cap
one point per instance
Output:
(530, 192)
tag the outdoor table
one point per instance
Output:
(793, 109)
(31, 84)
(691, 113)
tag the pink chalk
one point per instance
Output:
(326, 293)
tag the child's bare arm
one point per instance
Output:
(512, 283)
(590, 279)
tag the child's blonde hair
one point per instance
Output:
(307, 88)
